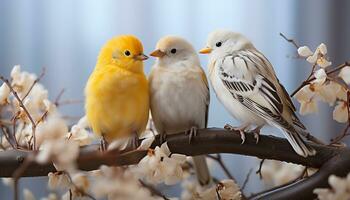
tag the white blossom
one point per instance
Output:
(63, 153)
(28, 195)
(58, 180)
(146, 143)
(54, 127)
(340, 189)
(161, 166)
(340, 112)
(320, 76)
(345, 74)
(304, 51)
(80, 134)
(319, 56)
(118, 184)
(4, 93)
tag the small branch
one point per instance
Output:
(246, 179)
(259, 169)
(219, 160)
(23, 107)
(289, 40)
(79, 190)
(153, 190)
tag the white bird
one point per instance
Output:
(246, 84)
(179, 94)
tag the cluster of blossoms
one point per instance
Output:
(324, 85)
(36, 121)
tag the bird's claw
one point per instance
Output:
(257, 137)
(103, 144)
(234, 129)
(191, 133)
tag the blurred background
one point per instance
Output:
(65, 37)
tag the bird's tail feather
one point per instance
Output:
(202, 170)
(298, 144)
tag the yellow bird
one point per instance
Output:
(117, 96)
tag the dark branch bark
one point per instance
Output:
(208, 141)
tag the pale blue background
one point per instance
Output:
(65, 37)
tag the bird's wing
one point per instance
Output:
(251, 83)
(207, 95)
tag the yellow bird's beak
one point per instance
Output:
(157, 53)
(205, 50)
(141, 57)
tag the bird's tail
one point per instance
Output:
(298, 144)
(202, 170)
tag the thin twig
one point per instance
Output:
(78, 189)
(246, 179)
(289, 40)
(7, 135)
(259, 169)
(35, 81)
(23, 107)
(219, 160)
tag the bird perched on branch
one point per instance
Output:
(117, 95)
(246, 84)
(179, 94)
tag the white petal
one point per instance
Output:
(4, 93)
(328, 92)
(340, 113)
(16, 72)
(345, 74)
(312, 59)
(323, 62)
(308, 107)
(320, 76)
(323, 48)
(304, 94)
(165, 148)
(304, 51)
(146, 143)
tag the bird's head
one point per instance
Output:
(171, 50)
(124, 51)
(222, 42)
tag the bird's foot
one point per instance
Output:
(256, 133)
(135, 141)
(103, 144)
(162, 137)
(235, 129)
(191, 133)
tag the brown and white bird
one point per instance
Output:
(246, 84)
(179, 94)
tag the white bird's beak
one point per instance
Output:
(157, 53)
(205, 50)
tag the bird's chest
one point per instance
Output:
(178, 101)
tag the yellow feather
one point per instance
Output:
(117, 98)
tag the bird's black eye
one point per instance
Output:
(173, 51)
(127, 53)
(218, 44)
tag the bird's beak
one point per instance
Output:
(205, 50)
(157, 53)
(141, 57)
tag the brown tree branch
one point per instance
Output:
(330, 160)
